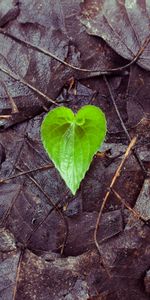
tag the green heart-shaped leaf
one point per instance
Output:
(71, 140)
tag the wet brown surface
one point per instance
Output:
(38, 215)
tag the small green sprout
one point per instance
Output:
(71, 140)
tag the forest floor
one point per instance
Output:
(96, 244)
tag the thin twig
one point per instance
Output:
(93, 72)
(21, 80)
(31, 144)
(123, 126)
(54, 207)
(117, 174)
(13, 104)
(5, 117)
(18, 273)
(133, 211)
(48, 166)
(8, 211)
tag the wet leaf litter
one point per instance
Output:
(47, 235)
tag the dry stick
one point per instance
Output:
(21, 80)
(4, 219)
(133, 211)
(13, 104)
(93, 72)
(5, 116)
(29, 142)
(117, 174)
(54, 207)
(48, 166)
(123, 126)
(18, 274)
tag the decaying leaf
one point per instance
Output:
(124, 25)
(9, 260)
